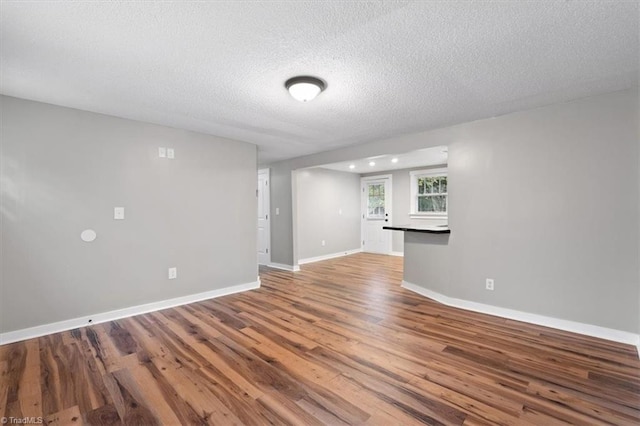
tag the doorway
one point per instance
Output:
(264, 227)
(376, 213)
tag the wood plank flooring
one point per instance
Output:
(338, 343)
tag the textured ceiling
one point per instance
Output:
(391, 67)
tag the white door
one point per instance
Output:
(264, 228)
(376, 213)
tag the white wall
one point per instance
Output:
(64, 170)
(328, 209)
(526, 193)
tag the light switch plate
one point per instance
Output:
(162, 152)
(173, 273)
(118, 213)
(171, 154)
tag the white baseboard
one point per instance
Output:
(56, 327)
(560, 324)
(294, 268)
(329, 256)
(397, 253)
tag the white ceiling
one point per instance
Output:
(421, 158)
(391, 67)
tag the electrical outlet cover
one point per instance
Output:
(489, 284)
(118, 213)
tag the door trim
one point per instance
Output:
(388, 207)
(267, 208)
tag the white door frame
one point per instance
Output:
(266, 259)
(388, 208)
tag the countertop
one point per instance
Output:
(438, 229)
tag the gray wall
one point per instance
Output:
(282, 225)
(321, 195)
(544, 201)
(401, 190)
(427, 261)
(64, 170)
(532, 206)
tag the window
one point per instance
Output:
(375, 200)
(429, 197)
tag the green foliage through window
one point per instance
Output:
(375, 205)
(432, 194)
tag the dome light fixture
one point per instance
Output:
(304, 88)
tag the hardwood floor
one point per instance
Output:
(338, 343)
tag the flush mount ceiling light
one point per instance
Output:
(352, 166)
(372, 163)
(394, 160)
(304, 88)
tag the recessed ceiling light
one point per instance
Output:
(372, 163)
(304, 88)
(352, 166)
(394, 160)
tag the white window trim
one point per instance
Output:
(413, 177)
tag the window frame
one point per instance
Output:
(414, 176)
